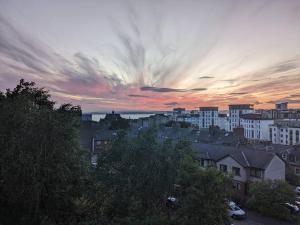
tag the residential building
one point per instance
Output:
(247, 165)
(235, 111)
(208, 116)
(281, 111)
(256, 128)
(178, 112)
(223, 121)
(281, 106)
(285, 132)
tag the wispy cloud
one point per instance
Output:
(238, 93)
(172, 104)
(139, 96)
(206, 77)
(164, 89)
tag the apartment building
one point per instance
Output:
(235, 111)
(208, 116)
(285, 132)
(223, 121)
(256, 128)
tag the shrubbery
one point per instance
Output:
(268, 198)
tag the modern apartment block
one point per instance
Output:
(223, 121)
(208, 116)
(256, 128)
(235, 111)
(285, 132)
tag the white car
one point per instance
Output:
(297, 190)
(236, 212)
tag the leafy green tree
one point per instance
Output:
(268, 198)
(41, 166)
(291, 177)
(203, 192)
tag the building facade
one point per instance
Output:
(208, 116)
(223, 121)
(285, 132)
(235, 111)
(255, 127)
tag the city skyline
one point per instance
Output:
(154, 55)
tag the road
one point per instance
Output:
(256, 219)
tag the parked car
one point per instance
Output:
(294, 209)
(172, 202)
(235, 211)
(297, 203)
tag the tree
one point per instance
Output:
(268, 198)
(203, 192)
(41, 166)
(291, 177)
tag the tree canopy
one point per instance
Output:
(45, 178)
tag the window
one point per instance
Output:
(254, 172)
(223, 168)
(236, 171)
(202, 162)
(297, 171)
(237, 186)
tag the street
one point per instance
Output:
(254, 218)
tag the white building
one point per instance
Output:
(235, 111)
(255, 127)
(208, 116)
(223, 122)
(285, 132)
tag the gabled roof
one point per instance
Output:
(246, 157)
(252, 158)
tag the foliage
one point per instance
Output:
(44, 177)
(291, 177)
(203, 192)
(268, 198)
(41, 167)
(119, 124)
(215, 131)
(139, 174)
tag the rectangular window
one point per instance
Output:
(297, 136)
(223, 168)
(255, 172)
(202, 162)
(236, 171)
(297, 171)
(237, 186)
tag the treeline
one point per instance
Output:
(45, 178)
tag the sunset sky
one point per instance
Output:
(154, 54)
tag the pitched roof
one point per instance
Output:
(246, 157)
(253, 158)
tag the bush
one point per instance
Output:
(268, 198)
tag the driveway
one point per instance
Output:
(254, 218)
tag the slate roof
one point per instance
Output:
(253, 158)
(247, 157)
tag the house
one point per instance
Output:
(246, 164)
(101, 142)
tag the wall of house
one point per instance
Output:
(230, 162)
(275, 169)
(265, 130)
